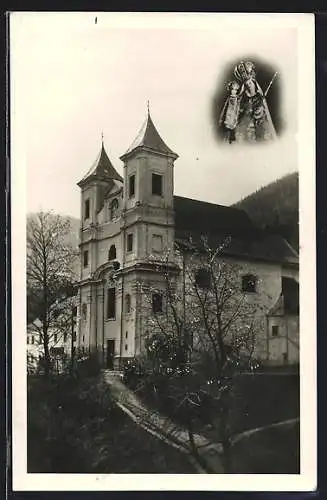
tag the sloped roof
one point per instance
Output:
(192, 214)
(194, 219)
(102, 168)
(149, 138)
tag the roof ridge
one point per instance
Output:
(210, 203)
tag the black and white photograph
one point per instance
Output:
(162, 175)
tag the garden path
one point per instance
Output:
(162, 427)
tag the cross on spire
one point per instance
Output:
(102, 138)
(148, 106)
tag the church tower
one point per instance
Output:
(98, 181)
(148, 195)
(94, 186)
(147, 226)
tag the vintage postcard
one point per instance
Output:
(163, 251)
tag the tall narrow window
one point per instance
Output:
(202, 278)
(86, 209)
(131, 186)
(156, 303)
(130, 242)
(55, 338)
(157, 184)
(249, 283)
(113, 209)
(84, 312)
(127, 303)
(112, 253)
(111, 303)
(28, 339)
(157, 243)
(86, 258)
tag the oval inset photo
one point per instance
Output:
(246, 106)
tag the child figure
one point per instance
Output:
(229, 114)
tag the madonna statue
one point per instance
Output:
(245, 116)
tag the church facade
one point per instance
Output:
(128, 222)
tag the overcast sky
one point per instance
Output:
(73, 79)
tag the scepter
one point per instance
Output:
(270, 84)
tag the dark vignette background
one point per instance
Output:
(265, 72)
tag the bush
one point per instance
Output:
(88, 366)
(133, 372)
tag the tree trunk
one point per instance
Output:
(47, 357)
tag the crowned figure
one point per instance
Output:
(245, 116)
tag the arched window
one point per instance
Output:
(249, 283)
(112, 253)
(127, 303)
(113, 209)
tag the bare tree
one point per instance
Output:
(50, 278)
(200, 330)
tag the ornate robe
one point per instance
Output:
(246, 117)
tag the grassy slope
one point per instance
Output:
(272, 451)
(74, 427)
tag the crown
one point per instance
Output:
(244, 70)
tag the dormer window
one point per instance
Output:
(157, 184)
(114, 209)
